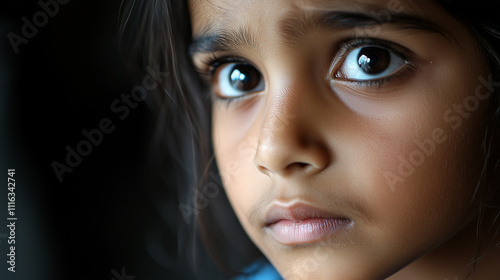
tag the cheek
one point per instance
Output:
(417, 173)
(235, 143)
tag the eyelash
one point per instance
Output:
(351, 43)
(213, 62)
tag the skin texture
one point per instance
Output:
(314, 136)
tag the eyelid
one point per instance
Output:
(212, 64)
(209, 66)
(348, 45)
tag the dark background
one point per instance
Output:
(101, 220)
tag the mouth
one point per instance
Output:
(298, 223)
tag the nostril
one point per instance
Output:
(302, 164)
(263, 169)
(289, 169)
(298, 167)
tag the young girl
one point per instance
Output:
(354, 139)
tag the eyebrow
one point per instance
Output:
(294, 27)
(223, 40)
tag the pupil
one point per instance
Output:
(374, 60)
(244, 77)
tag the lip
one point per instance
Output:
(298, 223)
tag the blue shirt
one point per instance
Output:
(260, 270)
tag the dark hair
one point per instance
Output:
(157, 33)
(483, 21)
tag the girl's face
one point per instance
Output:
(347, 133)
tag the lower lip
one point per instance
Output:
(293, 232)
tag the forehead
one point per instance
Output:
(232, 14)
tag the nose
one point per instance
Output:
(290, 140)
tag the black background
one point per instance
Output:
(100, 220)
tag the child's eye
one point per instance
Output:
(369, 63)
(237, 79)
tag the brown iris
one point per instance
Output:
(244, 77)
(374, 60)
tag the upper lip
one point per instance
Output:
(295, 211)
